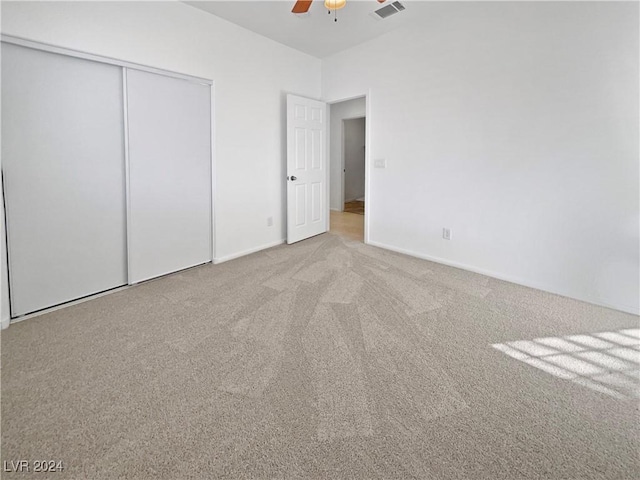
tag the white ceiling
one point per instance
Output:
(314, 33)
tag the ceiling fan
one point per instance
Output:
(302, 6)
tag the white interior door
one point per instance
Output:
(169, 125)
(306, 168)
(64, 177)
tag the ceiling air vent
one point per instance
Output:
(388, 10)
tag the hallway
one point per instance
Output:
(348, 225)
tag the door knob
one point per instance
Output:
(293, 178)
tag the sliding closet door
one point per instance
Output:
(63, 163)
(169, 125)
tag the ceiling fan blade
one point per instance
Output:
(302, 6)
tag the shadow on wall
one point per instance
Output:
(607, 362)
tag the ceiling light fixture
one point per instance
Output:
(334, 5)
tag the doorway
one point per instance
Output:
(347, 185)
(353, 147)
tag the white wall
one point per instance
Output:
(354, 143)
(339, 111)
(252, 76)
(515, 125)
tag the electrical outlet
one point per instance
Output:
(446, 233)
(269, 221)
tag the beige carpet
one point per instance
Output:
(322, 360)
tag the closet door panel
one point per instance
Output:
(169, 137)
(64, 175)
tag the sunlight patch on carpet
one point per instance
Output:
(607, 362)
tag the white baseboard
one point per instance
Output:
(4, 323)
(508, 278)
(67, 304)
(226, 258)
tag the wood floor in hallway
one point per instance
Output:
(348, 225)
(356, 206)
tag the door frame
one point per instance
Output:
(367, 158)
